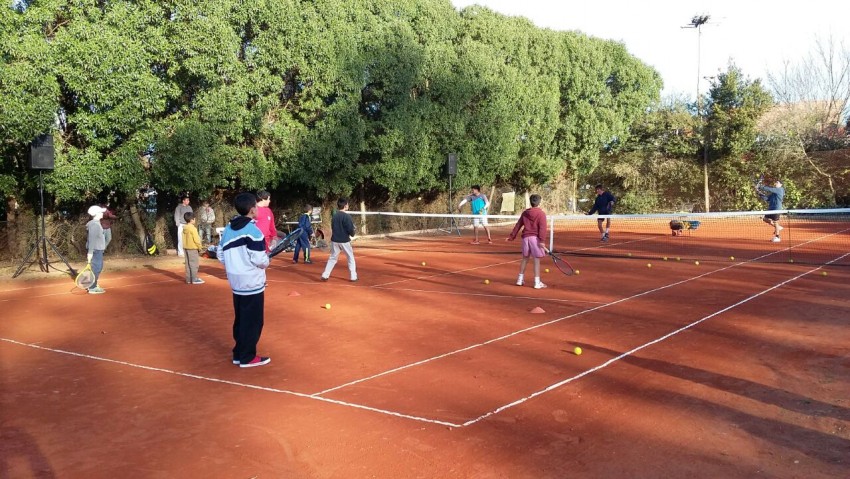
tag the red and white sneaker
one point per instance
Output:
(257, 361)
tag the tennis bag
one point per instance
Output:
(150, 246)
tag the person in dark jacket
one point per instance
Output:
(305, 223)
(774, 196)
(342, 230)
(604, 205)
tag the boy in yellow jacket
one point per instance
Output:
(191, 248)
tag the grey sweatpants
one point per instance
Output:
(349, 253)
(191, 261)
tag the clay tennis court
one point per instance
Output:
(733, 368)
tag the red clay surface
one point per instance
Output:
(731, 368)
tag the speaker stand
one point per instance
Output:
(39, 246)
(450, 224)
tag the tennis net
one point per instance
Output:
(807, 236)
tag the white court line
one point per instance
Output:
(57, 283)
(232, 383)
(72, 289)
(646, 345)
(500, 296)
(570, 316)
(495, 411)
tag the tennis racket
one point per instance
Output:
(560, 263)
(758, 183)
(85, 278)
(287, 243)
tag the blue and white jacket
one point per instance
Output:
(242, 250)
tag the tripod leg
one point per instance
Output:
(26, 258)
(71, 270)
(43, 261)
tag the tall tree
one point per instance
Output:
(735, 103)
(813, 111)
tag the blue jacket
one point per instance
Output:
(305, 223)
(243, 251)
(774, 196)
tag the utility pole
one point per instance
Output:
(697, 22)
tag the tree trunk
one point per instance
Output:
(363, 229)
(137, 222)
(705, 185)
(822, 173)
(12, 226)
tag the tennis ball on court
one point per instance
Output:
(547, 270)
(649, 265)
(486, 281)
(578, 272)
(823, 273)
(665, 258)
(790, 260)
(577, 351)
(629, 254)
(423, 263)
(732, 258)
(328, 306)
(678, 258)
(696, 263)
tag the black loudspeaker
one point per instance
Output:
(41, 153)
(451, 165)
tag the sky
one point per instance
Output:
(758, 36)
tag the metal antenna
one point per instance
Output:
(697, 22)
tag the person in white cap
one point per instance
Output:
(95, 244)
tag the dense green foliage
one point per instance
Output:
(328, 96)
(358, 97)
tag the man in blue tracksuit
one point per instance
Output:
(242, 249)
(304, 222)
(774, 196)
(604, 205)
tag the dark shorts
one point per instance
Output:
(772, 217)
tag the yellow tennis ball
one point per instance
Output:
(732, 258)
(547, 270)
(577, 350)
(486, 281)
(823, 273)
(678, 258)
(649, 265)
(577, 271)
(665, 258)
(423, 263)
(328, 306)
(696, 263)
(629, 254)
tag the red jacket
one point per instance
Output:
(265, 222)
(533, 223)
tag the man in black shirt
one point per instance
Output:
(342, 229)
(604, 205)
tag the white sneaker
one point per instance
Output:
(520, 282)
(539, 285)
(776, 239)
